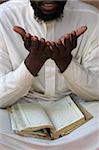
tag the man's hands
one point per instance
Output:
(38, 47)
(63, 47)
(41, 50)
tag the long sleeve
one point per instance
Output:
(14, 84)
(83, 79)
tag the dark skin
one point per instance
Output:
(3, 1)
(39, 53)
(63, 47)
(48, 10)
(41, 50)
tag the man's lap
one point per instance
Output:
(79, 139)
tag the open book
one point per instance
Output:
(49, 120)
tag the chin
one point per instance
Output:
(48, 11)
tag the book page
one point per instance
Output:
(13, 123)
(63, 113)
(29, 115)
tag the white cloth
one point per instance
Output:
(81, 77)
(85, 137)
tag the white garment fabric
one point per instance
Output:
(85, 137)
(81, 77)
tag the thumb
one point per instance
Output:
(81, 30)
(20, 31)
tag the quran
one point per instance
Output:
(49, 120)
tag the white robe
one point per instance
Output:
(82, 75)
(16, 82)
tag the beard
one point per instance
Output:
(41, 16)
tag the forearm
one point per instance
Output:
(15, 85)
(81, 81)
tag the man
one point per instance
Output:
(79, 71)
(53, 57)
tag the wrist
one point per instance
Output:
(33, 64)
(63, 63)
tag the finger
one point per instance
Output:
(68, 45)
(66, 37)
(48, 50)
(20, 31)
(55, 50)
(74, 39)
(35, 42)
(27, 41)
(71, 38)
(54, 47)
(48, 43)
(42, 44)
(80, 31)
(61, 48)
(62, 40)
